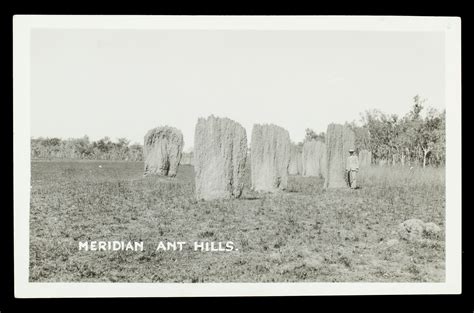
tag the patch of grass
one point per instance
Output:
(304, 234)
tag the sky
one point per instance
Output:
(121, 83)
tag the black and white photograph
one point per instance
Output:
(207, 154)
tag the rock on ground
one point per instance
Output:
(220, 153)
(339, 139)
(313, 153)
(295, 160)
(365, 158)
(162, 151)
(416, 230)
(431, 230)
(270, 157)
(411, 230)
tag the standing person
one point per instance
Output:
(352, 167)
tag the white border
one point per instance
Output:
(22, 25)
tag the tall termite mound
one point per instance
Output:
(300, 162)
(313, 154)
(270, 157)
(187, 158)
(162, 150)
(339, 139)
(323, 160)
(295, 166)
(220, 153)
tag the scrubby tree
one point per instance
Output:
(413, 138)
(312, 135)
(362, 136)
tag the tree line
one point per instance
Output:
(417, 138)
(83, 148)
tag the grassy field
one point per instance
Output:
(303, 234)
